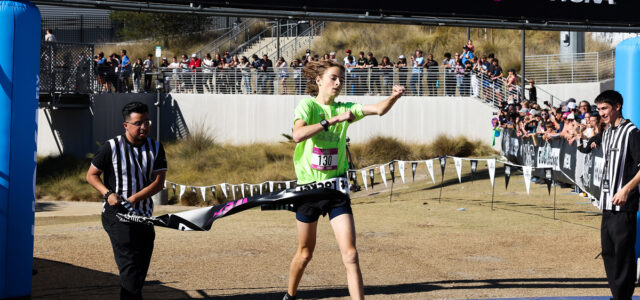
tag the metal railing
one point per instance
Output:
(367, 81)
(301, 41)
(255, 39)
(271, 48)
(580, 67)
(231, 39)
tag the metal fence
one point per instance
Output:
(81, 29)
(67, 68)
(370, 81)
(580, 67)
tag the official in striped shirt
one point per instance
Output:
(619, 195)
(134, 168)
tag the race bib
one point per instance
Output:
(338, 183)
(324, 159)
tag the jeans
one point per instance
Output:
(415, 85)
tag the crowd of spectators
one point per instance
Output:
(577, 122)
(464, 73)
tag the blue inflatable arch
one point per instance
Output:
(19, 71)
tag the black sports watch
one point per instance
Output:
(325, 124)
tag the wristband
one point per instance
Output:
(107, 194)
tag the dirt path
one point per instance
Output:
(411, 248)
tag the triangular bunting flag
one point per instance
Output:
(507, 175)
(491, 164)
(233, 192)
(255, 190)
(443, 164)
(270, 186)
(457, 161)
(182, 190)
(371, 173)
(193, 190)
(430, 169)
(364, 179)
(213, 191)
(548, 175)
(354, 179)
(526, 173)
(383, 174)
(203, 191)
(414, 166)
(392, 170)
(165, 184)
(474, 169)
(242, 189)
(173, 187)
(223, 187)
(401, 167)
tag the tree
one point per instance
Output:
(139, 25)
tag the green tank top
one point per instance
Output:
(323, 156)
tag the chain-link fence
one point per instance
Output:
(82, 29)
(67, 68)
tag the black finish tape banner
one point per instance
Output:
(568, 165)
(201, 219)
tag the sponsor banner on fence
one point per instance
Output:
(568, 164)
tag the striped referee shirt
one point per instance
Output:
(129, 168)
(621, 148)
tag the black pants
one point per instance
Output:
(147, 82)
(618, 237)
(132, 248)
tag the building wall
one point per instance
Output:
(245, 119)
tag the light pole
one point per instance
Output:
(158, 104)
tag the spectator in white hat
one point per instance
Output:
(332, 56)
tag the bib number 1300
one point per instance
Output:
(324, 159)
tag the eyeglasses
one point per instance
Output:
(140, 123)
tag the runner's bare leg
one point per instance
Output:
(306, 245)
(345, 233)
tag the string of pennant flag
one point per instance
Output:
(242, 190)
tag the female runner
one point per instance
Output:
(320, 131)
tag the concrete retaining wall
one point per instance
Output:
(245, 119)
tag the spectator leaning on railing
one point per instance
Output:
(125, 72)
(432, 75)
(147, 68)
(137, 75)
(283, 73)
(244, 67)
(386, 70)
(417, 64)
(207, 71)
(401, 67)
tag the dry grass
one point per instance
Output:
(199, 161)
(394, 40)
(175, 46)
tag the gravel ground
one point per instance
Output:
(412, 247)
